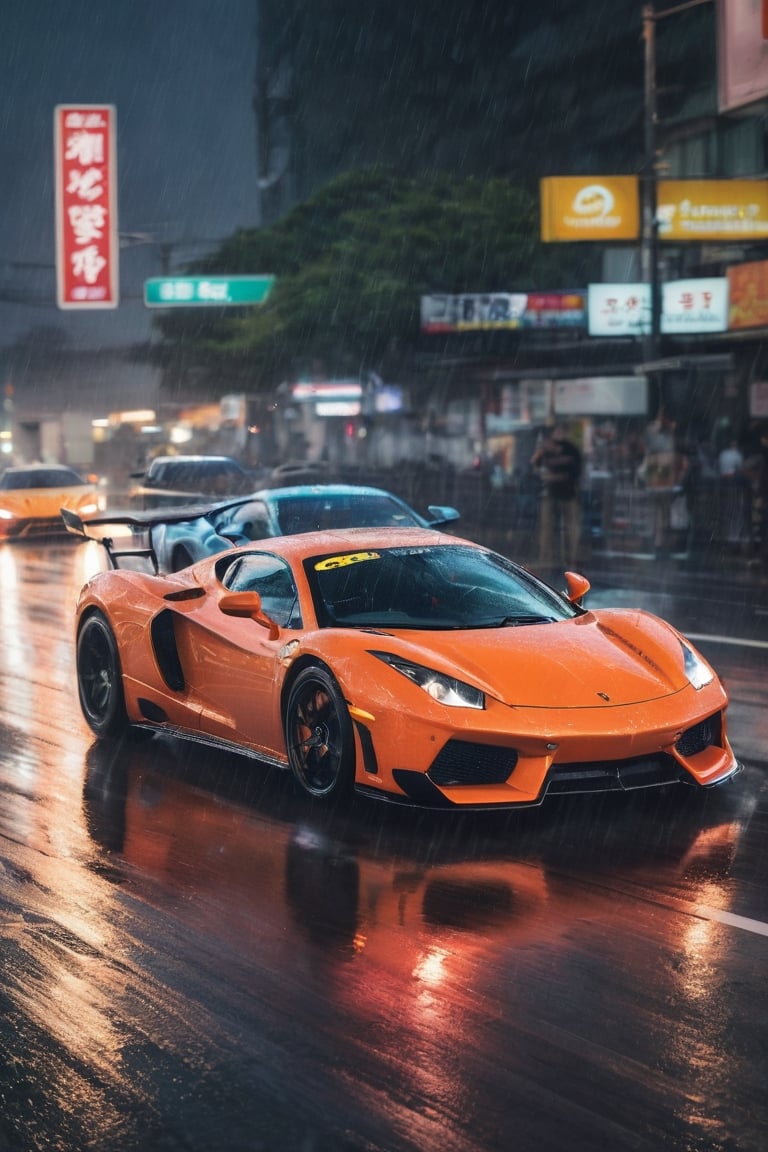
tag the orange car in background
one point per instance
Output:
(404, 663)
(32, 496)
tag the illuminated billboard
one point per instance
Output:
(477, 311)
(607, 208)
(699, 305)
(619, 309)
(687, 306)
(748, 295)
(707, 210)
(590, 208)
(85, 181)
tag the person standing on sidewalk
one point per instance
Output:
(735, 495)
(558, 462)
(663, 472)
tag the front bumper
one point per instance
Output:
(550, 752)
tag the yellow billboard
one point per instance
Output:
(706, 210)
(590, 208)
(748, 295)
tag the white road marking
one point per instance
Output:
(743, 922)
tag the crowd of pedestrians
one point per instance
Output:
(696, 496)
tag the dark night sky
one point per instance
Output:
(180, 73)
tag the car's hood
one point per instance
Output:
(45, 501)
(616, 657)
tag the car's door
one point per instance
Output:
(232, 663)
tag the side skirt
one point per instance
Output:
(216, 742)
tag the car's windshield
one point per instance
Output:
(310, 513)
(207, 477)
(436, 587)
(40, 478)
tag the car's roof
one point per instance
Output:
(38, 467)
(33, 471)
(297, 491)
(193, 460)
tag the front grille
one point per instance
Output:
(614, 775)
(463, 762)
(42, 526)
(700, 736)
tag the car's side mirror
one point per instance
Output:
(576, 587)
(248, 604)
(442, 514)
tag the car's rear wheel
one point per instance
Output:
(319, 737)
(99, 678)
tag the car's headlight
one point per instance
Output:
(445, 689)
(695, 669)
(6, 515)
(87, 509)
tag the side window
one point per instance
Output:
(272, 579)
(252, 521)
(257, 528)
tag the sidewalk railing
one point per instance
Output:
(711, 520)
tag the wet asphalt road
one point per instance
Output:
(195, 959)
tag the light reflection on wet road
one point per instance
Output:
(194, 958)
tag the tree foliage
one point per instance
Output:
(351, 264)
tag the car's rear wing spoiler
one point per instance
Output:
(129, 534)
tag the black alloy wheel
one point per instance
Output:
(99, 678)
(318, 736)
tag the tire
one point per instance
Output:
(100, 678)
(318, 736)
(181, 558)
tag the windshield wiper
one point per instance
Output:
(514, 621)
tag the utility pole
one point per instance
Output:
(649, 262)
(649, 236)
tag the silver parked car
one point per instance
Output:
(177, 537)
(173, 480)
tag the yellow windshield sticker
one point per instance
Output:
(342, 561)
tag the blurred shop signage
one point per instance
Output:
(477, 311)
(85, 177)
(233, 408)
(758, 399)
(211, 291)
(602, 396)
(348, 397)
(742, 44)
(687, 306)
(330, 397)
(590, 208)
(619, 309)
(699, 305)
(713, 209)
(748, 294)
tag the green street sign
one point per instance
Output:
(206, 291)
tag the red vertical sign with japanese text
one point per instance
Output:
(85, 149)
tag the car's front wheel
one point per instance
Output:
(99, 678)
(318, 736)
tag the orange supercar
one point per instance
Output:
(404, 663)
(32, 495)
